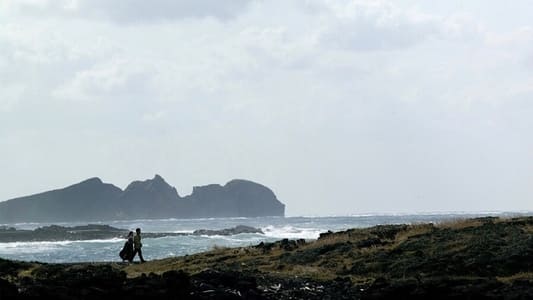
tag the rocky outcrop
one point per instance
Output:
(100, 281)
(93, 200)
(61, 233)
(150, 199)
(229, 231)
(97, 231)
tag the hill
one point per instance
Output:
(93, 200)
(483, 258)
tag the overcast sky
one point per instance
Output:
(340, 107)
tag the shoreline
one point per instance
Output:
(481, 257)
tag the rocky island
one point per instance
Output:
(93, 200)
(480, 258)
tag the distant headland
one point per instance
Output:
(94, 200)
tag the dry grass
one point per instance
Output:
(27, 272)
(528, 229)
(306, 271)
(518, 276)
(334, 239)
(352, 235)
(412, 231)
(460, 223)
(322, 265)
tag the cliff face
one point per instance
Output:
(93, 200)
(239, 198)
(152, 198)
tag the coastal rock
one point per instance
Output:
(229, 231)
(97, 231)
(61, 233)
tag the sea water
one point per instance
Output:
(274, 229)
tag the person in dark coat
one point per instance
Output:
(127, 251)
(138, 245)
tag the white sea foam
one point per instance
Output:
(183, 231)
(291, 232)
(31, 247)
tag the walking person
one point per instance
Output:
(127, 251)
(137, 244)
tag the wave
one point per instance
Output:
(238, 238)
(38, 244)
(291, 232)
(183, 231)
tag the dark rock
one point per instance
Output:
(7, 290)
(229, 231)
(61, 233)
(287, 245)
(325, 234)
(369, 242)
(11, 268)
(96, 231)
(265, 247)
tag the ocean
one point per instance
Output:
(274, 228)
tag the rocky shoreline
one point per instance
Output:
(97, 231)
(482, 258)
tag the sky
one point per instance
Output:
(339, 107)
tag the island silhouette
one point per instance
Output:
(94, 200)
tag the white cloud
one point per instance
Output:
(356, 101)
(11, 95)
(372, 26)
(154, 116)
(378, 25)
(112, 80)
(130, 11)
(521, 38)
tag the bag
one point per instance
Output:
(122, 254)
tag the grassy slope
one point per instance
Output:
(485, 247)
